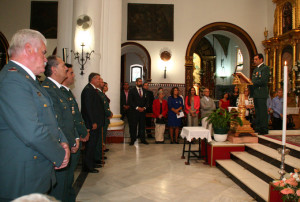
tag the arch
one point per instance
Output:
(216, 26)
(145, 51)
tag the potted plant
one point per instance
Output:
(220, 120)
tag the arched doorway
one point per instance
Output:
(3, 50)
(214, 29)
(134, 55)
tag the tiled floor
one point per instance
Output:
(155, 172)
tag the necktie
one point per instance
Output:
(140, 92)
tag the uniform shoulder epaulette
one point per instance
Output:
(13, 69)
(46, 86)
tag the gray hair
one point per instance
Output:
(23, 36)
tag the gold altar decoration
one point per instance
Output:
(286, 35)
(242, 82)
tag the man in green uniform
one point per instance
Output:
(260, 79)
(56, 72)
(31, 142)
(80, 127)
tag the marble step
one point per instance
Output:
(272, 156)
(275, 144)
(253, 185)
(260, 168)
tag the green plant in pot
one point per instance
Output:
(221, 120)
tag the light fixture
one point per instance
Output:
(165, 56)
(82, 60)
(83, 23)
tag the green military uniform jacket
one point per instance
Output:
(29, 135)
(62, 110)
(260, 79)
(78, 120)
(106, 107)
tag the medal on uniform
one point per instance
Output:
(73, 111)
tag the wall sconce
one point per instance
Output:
(165, 56)
(83, 23)
(81, 60)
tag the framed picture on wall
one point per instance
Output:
(151, 22)
(44, 18)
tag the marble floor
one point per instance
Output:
(155, 172)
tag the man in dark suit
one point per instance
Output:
(80, 127)
(260, 79)
(99, 154)
(56, 73)
(124, 100)
(92, 110)
(150, 98)
(137, 100)
(31, 142)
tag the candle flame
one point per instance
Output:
(285, 63)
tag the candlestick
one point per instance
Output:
(285, 83)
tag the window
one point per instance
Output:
(136, 71)
(239, 58)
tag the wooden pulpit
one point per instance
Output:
(241, 81)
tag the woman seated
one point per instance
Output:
(192, 105)
(234, 96)
(160, 110)
(249, 104)
(224, 103)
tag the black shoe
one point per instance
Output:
(144, 142)
(177, 142)
(171, 142)
(131, 143)
(104, 157)
(98, 166)
(91, 170)
(100, 162)
(106, 150)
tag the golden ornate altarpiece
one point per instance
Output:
(285, 45)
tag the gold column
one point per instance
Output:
(295, 62)
(279, 68)
(274, 68)
(267, 56)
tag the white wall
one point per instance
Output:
(15, 15)
(191, 15)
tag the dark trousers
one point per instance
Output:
(277, 123)
(74, 159)
(90, 149)
(59, 190)
(261, 115)
(137, 119)
(99, 152)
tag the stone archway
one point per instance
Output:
(224, 26)
(142, 53)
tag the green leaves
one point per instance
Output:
(221, 118)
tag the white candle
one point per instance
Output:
(285, 91)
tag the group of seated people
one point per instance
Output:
(175, 111)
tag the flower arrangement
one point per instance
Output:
(290, 188)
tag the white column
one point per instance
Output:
(93, 9)
(64, 26)
(110, 63)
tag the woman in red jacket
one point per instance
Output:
(160, 110)
(192, 105)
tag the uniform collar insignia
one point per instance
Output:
(13, 69)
